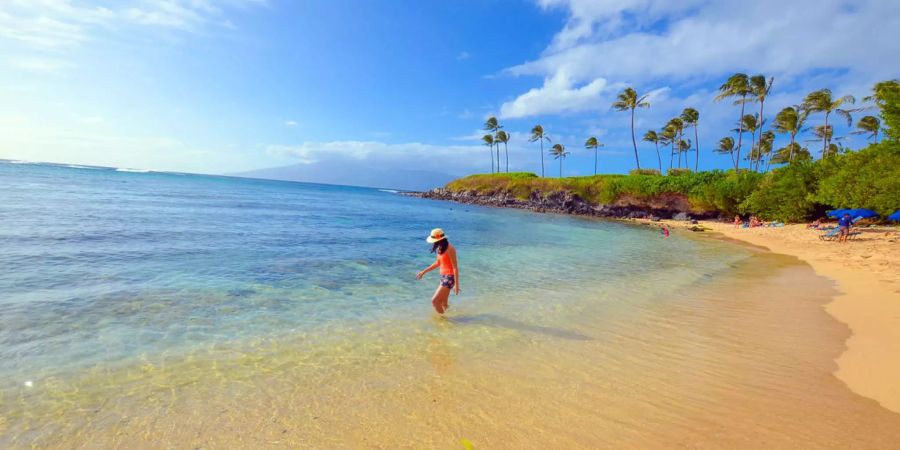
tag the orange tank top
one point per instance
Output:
(446, 262)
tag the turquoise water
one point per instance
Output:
(103, 270)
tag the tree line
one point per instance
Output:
(742, 90)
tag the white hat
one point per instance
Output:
(437, 234)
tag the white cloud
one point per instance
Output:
(558, 95)
(463, 55)
(290, 123)
(642, 42)
(56, 24)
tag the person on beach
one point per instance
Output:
(844, 223)
(737, 221)
(446, 260)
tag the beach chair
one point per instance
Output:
(830, 235)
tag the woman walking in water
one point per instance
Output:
(446, 260)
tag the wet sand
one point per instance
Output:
(867, 270)
(744, 359)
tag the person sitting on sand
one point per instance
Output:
(737, 221)
(446, 260)
(815, 225)
(844, 223)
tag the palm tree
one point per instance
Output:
(760, 90)
(677, 125)
(822, 101)
(868, 125)
(537, 134)
(651, 136)
(684, 146)
(493, 125)
(789, 154)
(747, 123)
(503, 137)
(764, 148)
(629, 100)
(559, 152)
(691, 117)
(726, 145)
(668, 136)
(489, 141)
(790, 120)
(593, 143)
(825, 133)
(737, 85)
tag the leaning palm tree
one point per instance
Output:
(537, 134)
(593, 143)
(669, 136)
(790, 153)
(684, 146)
(868, 125)
(559, 152)
(790, 120)
(764, 147)
(760, 89)
(726, 145)
(489, 141)
(823, 101)
(737, 86)
(748, 123)
(691, 117)
(503, 137)
(651, 136)
(493, 125)
(825, 133)
(677, 125)
(629, 100)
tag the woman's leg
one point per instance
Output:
(439, 299)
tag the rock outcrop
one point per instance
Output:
(565, 202)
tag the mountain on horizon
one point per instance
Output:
(353, 174)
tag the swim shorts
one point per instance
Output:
(448, 281)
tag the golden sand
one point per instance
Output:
(867, 270)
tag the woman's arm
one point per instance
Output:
(428, 269)
(455, 270)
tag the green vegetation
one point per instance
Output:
(801, 188)
(869, 178)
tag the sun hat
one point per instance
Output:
(437, 234)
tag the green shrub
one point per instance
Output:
(676, 171)
(644, 172)
(869, 178)
(785, 194)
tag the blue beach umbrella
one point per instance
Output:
(895, 216)
(836, 212)
(862, 212)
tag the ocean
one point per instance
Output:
(159, 309)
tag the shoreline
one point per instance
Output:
(866, 274)
(865, 271)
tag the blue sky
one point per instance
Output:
(233, 85)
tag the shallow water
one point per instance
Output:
(148, 309)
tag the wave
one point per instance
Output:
(122, 169)
(76, 166)
(18, 161)
(390, 191)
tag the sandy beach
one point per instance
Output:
(867, 271)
